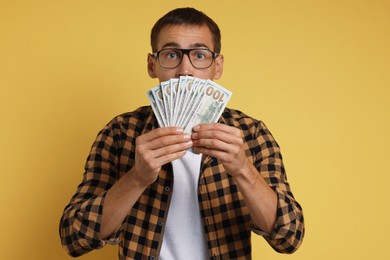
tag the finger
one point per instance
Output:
(232, 156)
(145, 139)
(153, 159)
(156, 160)
(162, 131)
(211, 144)
(226, 137)
(166, 150)
(222, 155)
(217, 127)
(167, 141)
(167, 158)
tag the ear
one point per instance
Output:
(218, 66)
(152, 66)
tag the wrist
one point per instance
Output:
(137, 179)
(244, 170)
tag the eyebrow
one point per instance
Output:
(176, 45)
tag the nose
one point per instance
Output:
(185, 68)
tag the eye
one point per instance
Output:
(171, 54)
(200, 54)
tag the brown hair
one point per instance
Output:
(186, 16)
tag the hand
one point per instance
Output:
(223, 142)
(156, 148)
(227, 145)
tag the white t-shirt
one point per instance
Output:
(183, 235)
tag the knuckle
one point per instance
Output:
(140, 149)
(229, 160)
(152, 165)
(214, 143)
(169, 149)
(179, 138)
(162, 142)
(138, 140)
(237, 132)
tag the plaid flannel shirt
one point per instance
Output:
(226, 221)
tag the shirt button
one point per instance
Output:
(151, 258)
(167, 188)
(160, 223)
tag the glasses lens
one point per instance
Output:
(201, 58)
(170, 58)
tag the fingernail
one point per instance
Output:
(179, 130)
(196, 127)
(194, 135)
(187, 137)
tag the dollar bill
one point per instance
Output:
(159, 102)
(213, 101)
(179, 92)
(166, 93)
(193, 103)
(187, 98)
(188, 101)
(155, 108)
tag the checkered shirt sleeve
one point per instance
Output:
(111, 156)
(288, 231)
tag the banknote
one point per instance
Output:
(211, 105)
(166, 93)
(177, 92)
(187, 101)
(193, 103)
(155, 108)
(187, 98)
(157, 97)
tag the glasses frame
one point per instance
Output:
(185, 52)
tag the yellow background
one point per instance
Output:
(316, 72)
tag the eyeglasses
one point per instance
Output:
(171, 58)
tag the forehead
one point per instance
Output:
(185, 36)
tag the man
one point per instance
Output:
(141, 188)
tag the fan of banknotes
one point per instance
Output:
(188, 101)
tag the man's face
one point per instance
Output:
(185, 37)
